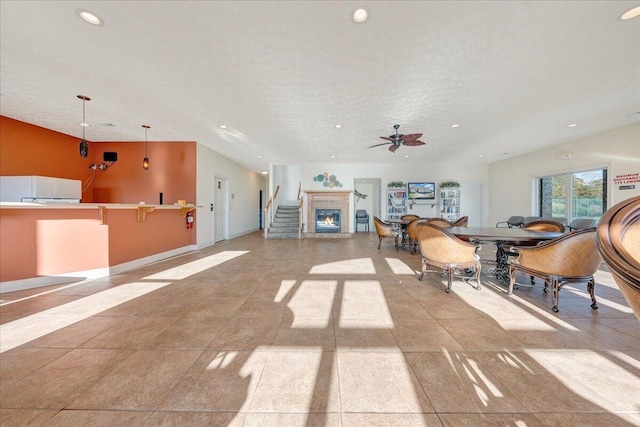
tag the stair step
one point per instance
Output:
(282, 236)
(285, 224)
(283, 231)
(288, 220)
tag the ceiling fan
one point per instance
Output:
(397, 139)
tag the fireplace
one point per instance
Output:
(323, 204)
(328, 220)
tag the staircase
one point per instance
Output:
(285, 223)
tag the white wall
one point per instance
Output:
(414, 172)
(511, 190)
(288, 177)
(245, 184)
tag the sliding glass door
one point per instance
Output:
(573, 195)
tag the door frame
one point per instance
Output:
(225, 195)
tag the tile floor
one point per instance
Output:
(314, 332)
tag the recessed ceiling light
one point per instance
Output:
(630, 14)
(223, 126)
(455, 125)
(259, 157)
(359, 15)
(264, 172)
(85, 124)
(333, 157)
(406, 155)
(480, 155)
(572, 125)
(90, 17)
(338, 126)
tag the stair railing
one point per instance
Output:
(268, 211)
(300, 225)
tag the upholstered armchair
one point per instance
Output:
(412, 233)
(462, 222)
(514, 221)
(582, 223)
(384, 229)
(362, 217)
(619, 244)
(544, 225)
(440, 222)
(441, 249)
(572, 257)
(408, 217)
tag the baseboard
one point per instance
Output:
(41, 281)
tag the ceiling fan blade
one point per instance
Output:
(387, 138)
(413, 143)
(393, 148)
(412, 137)
(384, 143)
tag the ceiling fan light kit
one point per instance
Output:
(397, 139)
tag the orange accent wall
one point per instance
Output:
(26, 149)
(172, 171)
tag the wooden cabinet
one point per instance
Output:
(450, 203)
(396, 202)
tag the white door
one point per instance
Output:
(471, 202)
(220, 210)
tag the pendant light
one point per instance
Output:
(145, 161)
(84, 145)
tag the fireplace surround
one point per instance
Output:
(336, 201)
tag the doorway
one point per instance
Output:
(220, 210)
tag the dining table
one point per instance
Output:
(401, 228)
(502, 237)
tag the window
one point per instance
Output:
(573, 195)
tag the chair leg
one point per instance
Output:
(555, 290)
(591, 284)
(533, 280)
(449, 278)
(379, 241)
(396, 240)
(512, 280)
(478, 271)
(424, 269)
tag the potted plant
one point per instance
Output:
(396, 184)
(450, 184)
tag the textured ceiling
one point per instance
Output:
(281, 75)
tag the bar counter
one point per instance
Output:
(46, 243)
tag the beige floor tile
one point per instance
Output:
(489, 420)
(367, 336)
(455, 382)
(77, 334)
(99, 418)
(190, 333)
(195, 419)
(292, 420)
(218, 381)
(299, 381)
(379, 382)
(25, 417)
(626, 326)
(532, 383)
(260, 308)
(141, 382)
(589, 420)
(423, 335)
(63, 379)
(19, 362)
(246, 334)
(216, 306)
(390, 420)
(133, 332)
(481, 334)
(601, 336)
(301, 333)
(445, 306)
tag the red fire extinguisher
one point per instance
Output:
(190, 219)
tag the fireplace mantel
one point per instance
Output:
(328, 200)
